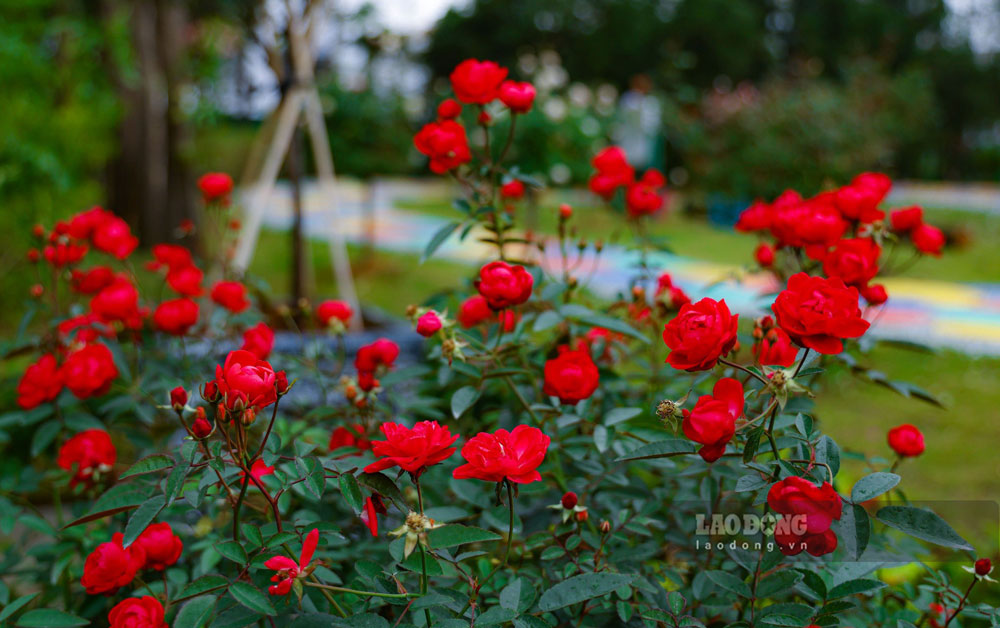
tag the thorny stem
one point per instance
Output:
(744, 369)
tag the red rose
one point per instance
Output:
(259, 471)
(875, 294)
(119, 301)
(429, 324)
(445, 143)
(244, 378)
(983, 567)
(41, 382)
(215, 187)
(906, 218)
(477, 82)
(642, 200)
(178, 398)
(928, 239)
(818, 313)
(572, 376)
(813, 223)
(137, 612)
(89, 371)
(517, 96)
(258, 340)
(84, 328)
(186, 281)
(819, 505)
(791, 544)
(83, 225)
(350, 436)
(201, 427)
(764, 255)
(426, 444)
(503, 285)
(676, 297)
(757, 217)
(712, 422)
(231, 295)
(110, 566)
(173, 256)
(287, 569)
(878, 181)
(88, 452)
(860, 202)
(569, 500)
(775, 349)
(382, 352)
(176, 316)
(700, 334)
(513, 189)
(514, 456)
(115, 238)
(449, 109)
(855, 261)
(473, 311)
(92, 281)
(906, 440)
(613, 171)
(64, 253)
(161, 545)
(328, 311)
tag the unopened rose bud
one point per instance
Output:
(249, 416)
(565, 211)
(33, 255)
(764, 255)
(411, 311)
(361, 402)
(201, 428)
(582, 515)
(767, 322)
(38, 231)
(220, 412)
(429, 324)
(37, 290)
(605, 526)
(569, 500)
(210, 391)
(350, 392)
(485, 118)
(178, 398)
(983, 567)
(281, 385)
(758, 333)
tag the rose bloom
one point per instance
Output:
(115, 238)
(119, 301)
(875, 294)
(473, 311)
(41, 382)
(351, 436)
(855, 261)
(928, 239)
(429, 324)
(816, 507)
(176, 316)
(764, 255)
(258, 340)
(757, 217)
(83, 225)
(259, 470)
(712, 421)
(445, 143)
(215, 187)
(477, 82)
(92, 281)
(878, 181)
(137, 612)
(513, 189)
(83, 329)
(412, 449)
(231, 295)
(161, 546)
(449, 109)
(518, 97)
(906, 440)
(859, 201)
(669, 293)
(503, 285)
(64, 253)
(613, 172)
(514, 456)
(775, 349)
(814, 224)
(89, 371)
(85, 453)
(700, 334)
(382, 352)
(110, 566)
(330, 310)
(246, 378)
(906, 218)
(818, 313)
(642, 200)
(186, 281)
(287, 569)
(572, 375)
(172, 256)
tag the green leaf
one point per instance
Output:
(873, 485)
(203, 585)
(438, 239)
(853, 587)
(463, 399)
(854, 528)
(452, 535)
(510, 596)
(149, 464)
(580, 588)
(313, 475)
(251, 597)
(195, 613)
(660, 449)
(352, 492)
(676, 602)
(16, 605)
(44, 435)
(142, 517)
(50, 618)
(828, 452)
(729, 582)
(619, 415)
(233, 551)
(381, 484)
(922, 524)
(778, 582)
(608, 322)
(753, 443)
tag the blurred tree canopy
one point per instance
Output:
(692, 49)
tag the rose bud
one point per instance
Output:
(429, 324)
(38, 231)
(875, 294)
(906, 440)
(37, 290)
(281, 385)
(582, 515)
(517, 96)
(33, 255)
(350, 392)
(983, 567)
(449, 109)
(249, 416)
(201, 428)
(569, 500)
(565, 211)
(178, 398)
(764, 255)
(210, 391)
(485, 118)
(605, 526)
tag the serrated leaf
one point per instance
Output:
(251, 597)
(729, 582)
(44, 435)
(149, 464)
(203, 585)
(463, 399)
(352, 492)
(873, 485)
(454, 534)
(195, 613)
(313, 475)
(922, 524)
(233, 551)
(619, 415)
(438, 239)
(853, 587)
(142, 517)
(50, 618)
(660, 449)
(9, 610)
(580, 588)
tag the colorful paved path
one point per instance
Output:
(963, 316)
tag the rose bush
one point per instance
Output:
(546, 461)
